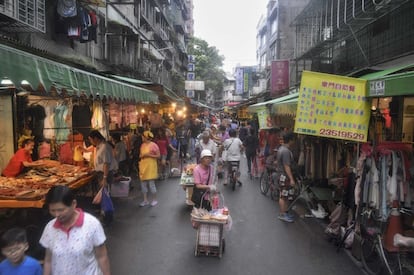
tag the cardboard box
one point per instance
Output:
(120, 189)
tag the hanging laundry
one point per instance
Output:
(66, 8)
(93, 27)
(85, 22)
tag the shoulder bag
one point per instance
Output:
(224, 153)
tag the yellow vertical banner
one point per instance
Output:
(332, 106)
(263, 116)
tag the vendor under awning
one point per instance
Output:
(21, 159)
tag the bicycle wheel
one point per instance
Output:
(264, 182)
(274, 192)
(233, 180)
(402, 264)
(373, 256)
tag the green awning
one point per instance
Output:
(275, 101)
(130, 80)
(18, 65)
(397, 81)
(172, 95)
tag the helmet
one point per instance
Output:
(206, 153)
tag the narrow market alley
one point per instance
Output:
(160, 240)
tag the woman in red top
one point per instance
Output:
(21, 159)
(162, 141)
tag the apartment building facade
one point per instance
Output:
(276, 40)
(138, 39)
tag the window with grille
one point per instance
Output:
(29, 12)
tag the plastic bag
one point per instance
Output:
(106, 203)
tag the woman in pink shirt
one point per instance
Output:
(203, 178)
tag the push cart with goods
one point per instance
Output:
(209, 240)
(210, 231)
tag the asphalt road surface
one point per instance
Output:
(160, 240)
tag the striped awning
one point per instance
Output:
(21, 66)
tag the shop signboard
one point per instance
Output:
(264, 118)
(377, 88)
(190, 93)
(194, 85)
(279, 77)
(239, 76)
(332, 106)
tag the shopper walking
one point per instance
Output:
(205, 142)
(251, 143)
(234, 148)
(103, 163)
(162, 141)
(74, 240)
(148, 168)
(134, 153)
(120, 153)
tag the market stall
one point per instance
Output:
(28, 190)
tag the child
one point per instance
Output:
(13, 244)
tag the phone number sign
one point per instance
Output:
(333, 106)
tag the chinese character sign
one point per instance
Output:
(264, 118)
(239, 81)
(279, 76)
(332, 106)
(190, 76)
(191, 58)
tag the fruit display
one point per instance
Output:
(189, 169)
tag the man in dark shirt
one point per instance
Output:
(285, 162)
(195, 130)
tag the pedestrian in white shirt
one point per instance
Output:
(234, 148)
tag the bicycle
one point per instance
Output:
(267, 183)
(375, 258)
(234, 173)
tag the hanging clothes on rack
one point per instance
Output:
(49, 122)
(99, 119)
(81, 120)
(61, 127)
